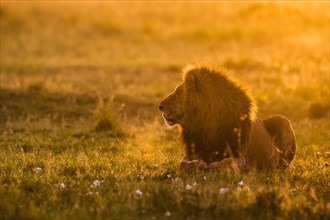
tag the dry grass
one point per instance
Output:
(80, 85)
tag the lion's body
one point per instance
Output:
(217, 116)
(272, 143)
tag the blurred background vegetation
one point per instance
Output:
(80, 85)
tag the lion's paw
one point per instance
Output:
(193, 165)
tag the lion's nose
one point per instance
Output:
(161, 107)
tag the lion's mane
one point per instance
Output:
(218, 114)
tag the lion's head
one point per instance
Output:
(214, 111)
(172, 107)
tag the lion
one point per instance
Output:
(219, 127)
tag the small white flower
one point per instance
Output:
(223, 190)
(204, 178)
(241, 183)
(168, 214)
(318, 153)
(293, 190)
(156, 165)
(177, 179)
(194, 184)
(38, 168)
(138, 192)
(62, 185)
(188, 187)
(96, 183)
(168, 176)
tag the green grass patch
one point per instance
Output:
(81, 136)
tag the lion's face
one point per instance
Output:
(172, 107)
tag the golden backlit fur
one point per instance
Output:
(218, 113)
(217, 117)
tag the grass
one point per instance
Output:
(80, 132)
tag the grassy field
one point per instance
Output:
(81, 135)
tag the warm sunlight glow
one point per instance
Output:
(82, 134)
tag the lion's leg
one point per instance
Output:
(280, 128)
(231, 164)
(192, 165)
